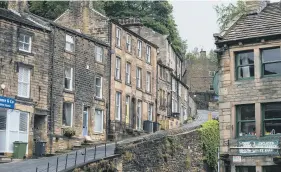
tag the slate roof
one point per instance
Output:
(13, 16)
(265, 23)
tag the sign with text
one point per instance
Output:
(258, 147)
(6, 102)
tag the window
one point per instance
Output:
(138, 77)
(148, 54)
(99, 87)
(150, 111)
(244, 64)
(118, 106)
(24, 43)
(139, 48)
(139, 114)
(67, 114)
(23, 122)
(246, 169)
(271, 61)
(128, 73)
(118, 37)
(148, 82)
(117, 69)
(98, 121)
(211, 87)
(3, 119)
(68, 72)
(272, 118)
(69, 43)
(127, 109)
(273, 168)
(174, 105)
(174, 85)
(246, 120)
(99, 54)
(129, 43)
(179, 90)
(24, 82)
(212, 73)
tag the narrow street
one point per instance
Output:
(42, 163)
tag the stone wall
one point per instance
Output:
(192, 112)
(163, 152)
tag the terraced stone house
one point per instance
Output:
(249, 98)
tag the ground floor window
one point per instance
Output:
(67, 114)
(246, 120)
(272, 118)
(98, 121)
(274, 168)
(245, 169)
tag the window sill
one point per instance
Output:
(139, 58)
(69, 52)
(273, 75)
(69, 91)
(139, 89)
(148, 92)
(24, 99)
(25, 53)
(119, 47)
(129, 84)
(64, 126)
(118, 80)
(148, 63)
(245, 79)
(245, 137)
(129, 52)
(99, 99)
(98, 62)
(97, 133)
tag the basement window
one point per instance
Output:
(271, 61)
(245, 64)
(24, 43)
(272, 118)
(246, 124)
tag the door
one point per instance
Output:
(85, 122)
(139, 109)
(3, 122)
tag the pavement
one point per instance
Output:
(41, 165)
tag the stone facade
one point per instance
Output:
(199, 76)
(32, 100)
(245, 95)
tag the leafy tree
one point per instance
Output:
(226, 13)
(3, 4)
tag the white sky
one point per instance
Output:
(197, 21)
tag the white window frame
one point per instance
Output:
(148, 82)
(24, 42)
(174, 85)
(150, 111)
(180, 90)
(71, 78)
(118, 105)
(99, 55)
(118, 36)
(139, 48)
(100, 131)
(118, 68)
(128, 73)
(22, 71)
(99, 86)
(69, 40)
(129, 43)
(71, 114)
(148, 54)
(139, 71)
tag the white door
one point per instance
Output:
(85, 122)
(3, 122)
(17, 128)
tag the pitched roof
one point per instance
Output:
(23, 19)
(265, 23)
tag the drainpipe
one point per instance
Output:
(109, 92)
(156, 101)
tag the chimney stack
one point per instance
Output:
(255, 6)
(19, 6)
(81, 13)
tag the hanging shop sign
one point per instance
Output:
(6, 102)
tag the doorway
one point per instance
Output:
(85, 122)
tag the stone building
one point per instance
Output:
(199, 76)
(173, 101)
(24, 78)
(249, 97)
(132, 71)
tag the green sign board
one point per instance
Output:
(258, 147)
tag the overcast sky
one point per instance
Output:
(197, 21)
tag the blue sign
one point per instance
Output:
(6, 102)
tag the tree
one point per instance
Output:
(226, 13)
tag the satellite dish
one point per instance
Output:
(215, 83)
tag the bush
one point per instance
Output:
(69, 132)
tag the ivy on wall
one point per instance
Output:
(209, 135)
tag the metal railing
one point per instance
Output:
(74, 159)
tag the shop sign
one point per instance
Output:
(258, 147)
(6, 102)
(237, 159)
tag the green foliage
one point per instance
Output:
(188, 160)
(209, 134)
(4, 4)
(127, 156)
(69, 132)
(226, 13)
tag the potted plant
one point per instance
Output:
(68, 132)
